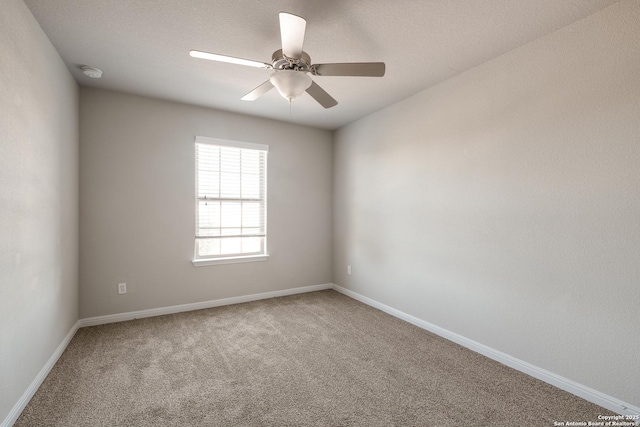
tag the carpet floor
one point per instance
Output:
(315, 359)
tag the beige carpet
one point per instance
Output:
(317, 359)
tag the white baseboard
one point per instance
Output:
(122, 317)
(579, 390)
(35, 384)
(562, 383)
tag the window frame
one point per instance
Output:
(262, 255)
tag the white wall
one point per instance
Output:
(38, 201)
(504, 204)
(137, 211)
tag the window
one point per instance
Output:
(231, 201)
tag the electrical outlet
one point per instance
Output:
(122, 288)
(349, 270)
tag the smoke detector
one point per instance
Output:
(92, 72)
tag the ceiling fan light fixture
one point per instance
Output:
(290, 83)
(293, 66)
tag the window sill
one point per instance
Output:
(230, 260)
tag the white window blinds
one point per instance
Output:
(231, 198)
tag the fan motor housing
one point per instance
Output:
(280, 62)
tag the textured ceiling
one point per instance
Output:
(143, 46)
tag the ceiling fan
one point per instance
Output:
(292, 66)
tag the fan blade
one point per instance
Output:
(229, 59)
(259, 91)
(321, 96)
(360, 69)
(292, 30)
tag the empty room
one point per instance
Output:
(338, 213)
